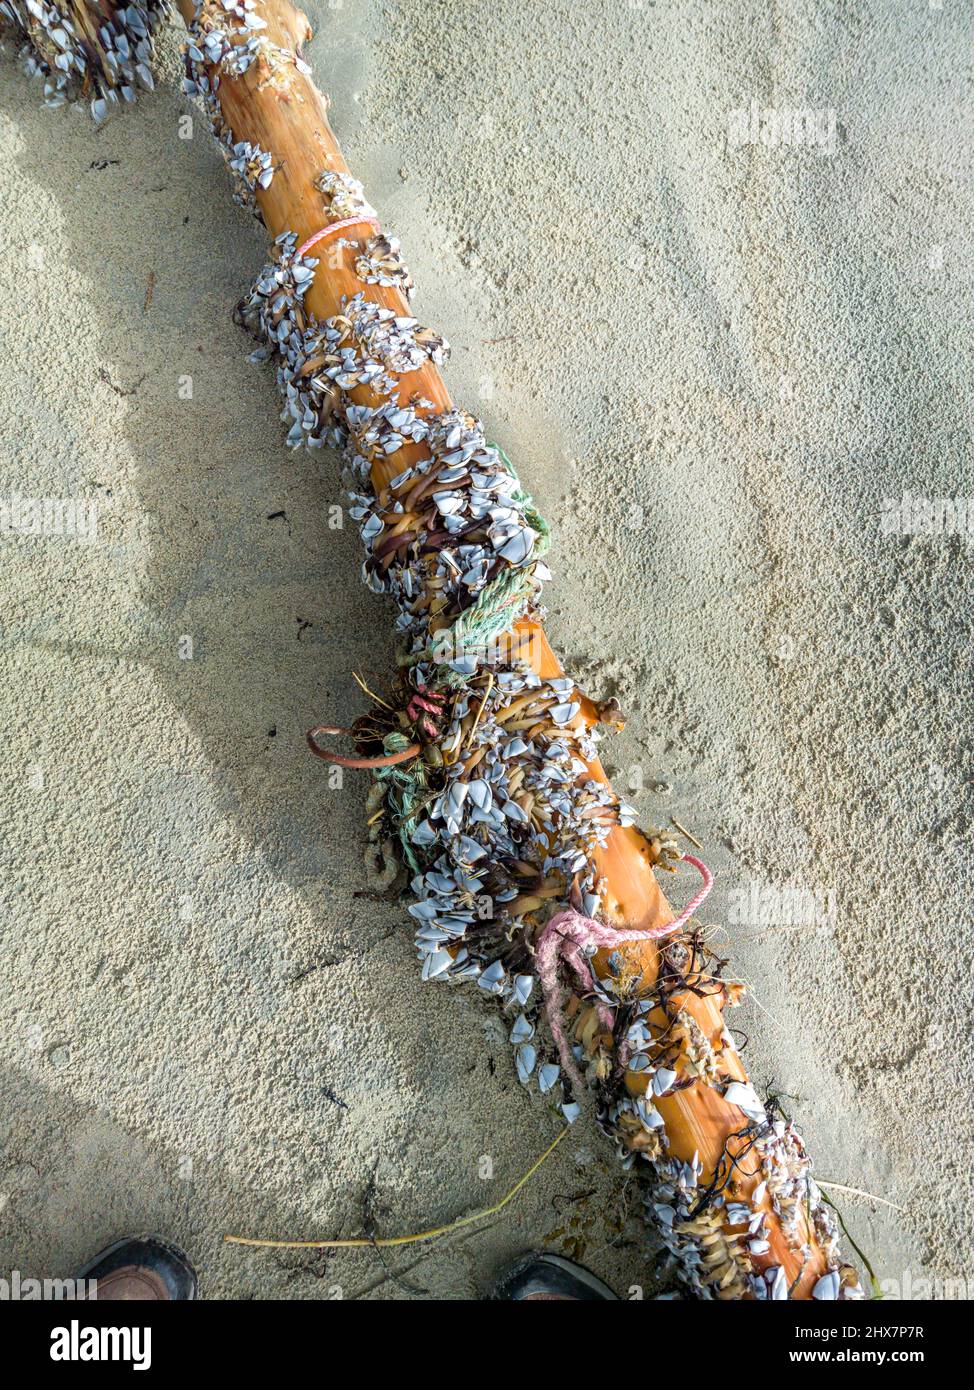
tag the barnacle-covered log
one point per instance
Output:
(95, 49)
(531, 880)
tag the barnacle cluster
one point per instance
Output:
(380, 262)
(253, 167)
(344, 195)
(226, 39)
(716, 1232)
(445, 529)
(513, 830)
(319, 363)
(87, 48)
(274, 314)
(718, 1235)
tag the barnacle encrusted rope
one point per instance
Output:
(500, 603)
(572, 937)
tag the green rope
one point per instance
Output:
(406, 788)
(500, 604)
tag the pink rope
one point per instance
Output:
(336, 227)
(695, 901)
(566, 938)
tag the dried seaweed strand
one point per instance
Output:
(387, 1242)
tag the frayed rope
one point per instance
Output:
(574, 938)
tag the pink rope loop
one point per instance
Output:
(332, 227)
(566, 937)
(695, 901)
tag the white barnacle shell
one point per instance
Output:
(590, 904)
(468, 970)
(470, 852)
(566, 711)
(464, 665)
(436, 963)
(492, 979)
(525, 1059)
(648, 1114)
(480, 793)
(520, 546)
(663, 1080)
(523, 1031)
(430, 939)
(523, 985)
(423, 911)
(548, 1076)
(828, 1286)
(745, 1097)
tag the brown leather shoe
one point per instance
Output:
(550, 1279)
(140, 1269)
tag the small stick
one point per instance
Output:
(683, 831)
(364, 1243)
(371, 693)
(473, 727)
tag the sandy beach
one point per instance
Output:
(721, 361)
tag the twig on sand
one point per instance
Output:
(684, 831)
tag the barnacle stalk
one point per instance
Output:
(94, 49)
(531, 880)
